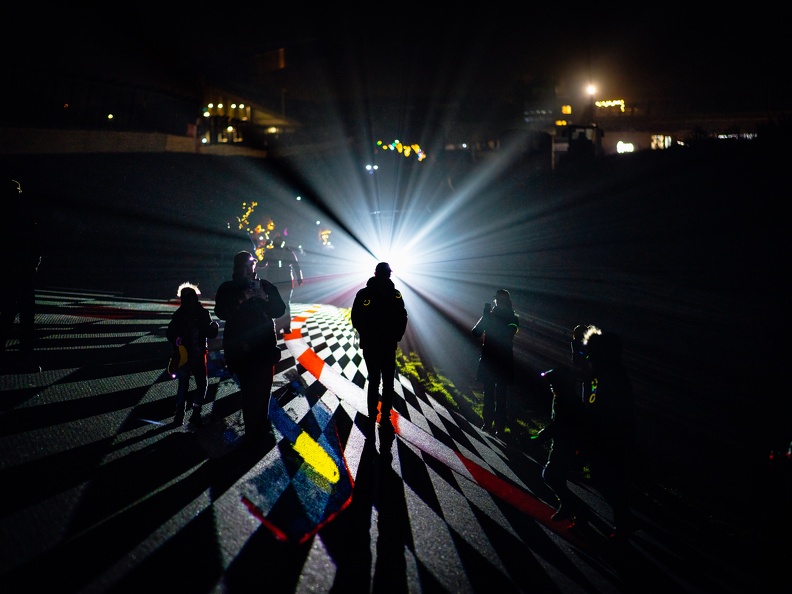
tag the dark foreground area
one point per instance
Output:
(109, 494)
(685, 254)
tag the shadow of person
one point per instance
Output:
(393, 524)
(348, 537)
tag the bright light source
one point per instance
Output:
(625, 147)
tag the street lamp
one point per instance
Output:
(591, 89)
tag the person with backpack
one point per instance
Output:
(380, 319)
(191, 327)
(249, 305)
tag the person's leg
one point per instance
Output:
(388, 357)
(201, 375)
(555, 474)
(255, 385)
(27, 319)
(501, 399)
(614, 488)
(373, 359)
(183, 386)
(283, 323)
(488, 411)
(287, 315)
(8, 312)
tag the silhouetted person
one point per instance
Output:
(282, 269)
(20, 257)
(578, 345)
(566, 434)
(248, 305)
(496, 327)
(380, 318)
(191, 326)
(567, 429)
(611, 425)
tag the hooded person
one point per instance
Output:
(380, 319)
(249, 305)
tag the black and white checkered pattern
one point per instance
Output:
(92, 435)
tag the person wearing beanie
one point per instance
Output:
(380, 319)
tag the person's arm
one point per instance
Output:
(544, 434)
(226, 301)
(402, 319)
(212, 327)
(354, 314)
(297, 270)
(275, 306)
(515, 325)
(481, 326)
(172, 332)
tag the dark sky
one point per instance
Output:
(733, 60)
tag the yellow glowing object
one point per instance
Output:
(611, 103)
(315, 456)
(593, 396)
(243, 220)
(404, 149)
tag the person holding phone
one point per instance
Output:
(496, 328)
(249, 305)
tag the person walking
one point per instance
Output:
(248, 305)
(380, 319)
(566, 435)
(20, 257)
(282, 269)
(496, 328)
(611, 425)
(191, 326)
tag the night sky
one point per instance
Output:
(713, 62)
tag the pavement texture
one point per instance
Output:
(104, 492)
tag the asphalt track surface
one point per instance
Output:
(102, 492)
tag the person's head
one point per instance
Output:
(502, 299)
(589, 332)
(12, 188)
(382, 270)
(11, 194)
(188, 293)
(579, 331)
(579, 348)
(245, 265)
(604, 349)
(278, 241)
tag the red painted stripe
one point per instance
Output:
(523, 501)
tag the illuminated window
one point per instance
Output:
(660, 142)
